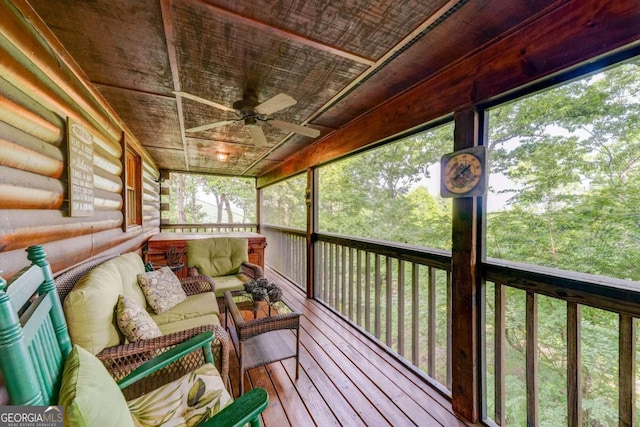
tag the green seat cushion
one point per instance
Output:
(187, 401)
(194, 306)
(219, 256)
(182, 325)
(89, 395)
(233, 282)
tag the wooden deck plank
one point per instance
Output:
(409, 383)
(294, 406)
(311, 397)
(345, 378)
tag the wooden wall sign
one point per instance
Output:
(80, 167)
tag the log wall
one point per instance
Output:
(40, 87)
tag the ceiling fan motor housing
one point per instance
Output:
(246, 105)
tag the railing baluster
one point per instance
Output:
(627, 371)
(415, 314)
(351, 283)
(388, 291)
(367, 301)
(532, 359)
(359, 286)
(401, 304)
(574, 373)
(449, 329)
(378, 297)
(431, 355)
(336, 278)
(343, 280)
(500, 345)
(331, 275)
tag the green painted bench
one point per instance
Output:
(41, 367)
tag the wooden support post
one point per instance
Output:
(312, 221)
(465, 278)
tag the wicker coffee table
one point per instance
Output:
(262, 340)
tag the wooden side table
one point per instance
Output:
(262, 340)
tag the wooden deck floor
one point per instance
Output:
(345, 379)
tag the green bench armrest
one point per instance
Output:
(201, 340)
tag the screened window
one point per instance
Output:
(283, 203)
(565, 175)
(209, 199)
(391, 192)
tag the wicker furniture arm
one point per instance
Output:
(253, 271)
(197, 284)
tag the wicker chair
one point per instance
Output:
(123, 359)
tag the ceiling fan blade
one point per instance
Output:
(291, 127)
(204, 101)
(277, 103)
(210, 126)
(257, 134)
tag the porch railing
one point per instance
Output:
(206, 228)
(287, 252)
(539, 327)
(563, 344)
(400, 294)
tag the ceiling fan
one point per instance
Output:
(252, 113)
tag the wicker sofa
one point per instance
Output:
(89, 293)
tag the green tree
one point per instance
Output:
(571, 154)
(375, 194)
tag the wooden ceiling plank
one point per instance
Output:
(380, 62)
(281, 32)
(169, 35)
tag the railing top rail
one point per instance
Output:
(284, 229)
(421, 255)
(616, 295)
(210, 225)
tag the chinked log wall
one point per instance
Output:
(40, 86)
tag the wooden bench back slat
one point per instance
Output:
(34, 341)
(22, 288)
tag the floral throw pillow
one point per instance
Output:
(134, 322)
(162, 289)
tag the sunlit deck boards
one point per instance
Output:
(344, 379)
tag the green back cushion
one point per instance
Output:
(89, 307)
(217, 256)
(128, 266)
(89, 395)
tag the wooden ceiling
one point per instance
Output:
(338, 59)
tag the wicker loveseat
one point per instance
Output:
(89, 293)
